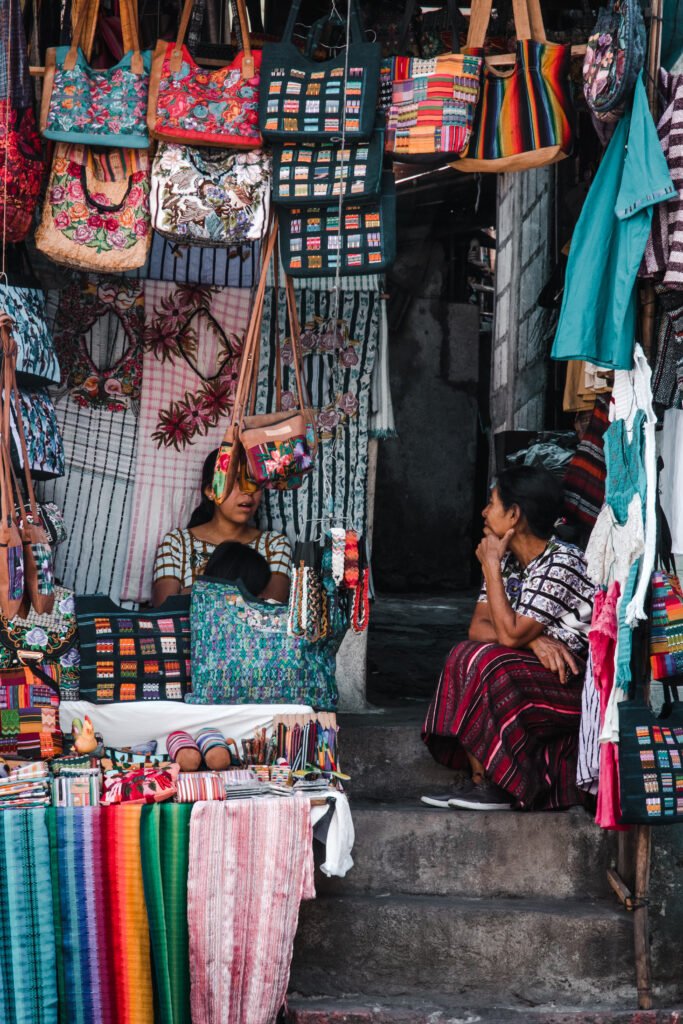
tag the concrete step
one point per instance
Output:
(401, 1011)
(384, 755)
(521, 953)
(418, 850)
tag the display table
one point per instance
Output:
(166, 912)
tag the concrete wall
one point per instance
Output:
(523, 263)
(424, 504)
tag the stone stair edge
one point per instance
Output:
(379, 1010)
(591, 907)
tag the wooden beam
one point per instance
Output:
(641, 929)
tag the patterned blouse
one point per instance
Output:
(553, 589)
(183, 556)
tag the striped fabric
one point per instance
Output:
(512, 714)
(194, 786)
(208, 738)
(242, 909)
(663, 257)
(105, 969)
(432, 105)
(177, 741)
(28, 980)
(531, 109)
(164, 846)
(584, 480)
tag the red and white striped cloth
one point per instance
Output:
(251, 864)
(167, 475)
(194, 786)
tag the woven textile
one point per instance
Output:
(666, 630)
(106, 967)
(242, 909)
(193, 341)
(98, 336)
(668, 370)
(663, 257)
(164, 846)
(512, 714)
(584, 481)
(194, 786)
(338, 366)
(15, 80)
(28, 981)
(236, 267)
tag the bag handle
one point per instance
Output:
(247, 58)
(357, 35)
(528, 19)
(9, 360)
(5, 479)
(89, 9)
(295, 334)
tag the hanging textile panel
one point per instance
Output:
(242, 909)
(192, 348)
(98, 337)
(28, 980)
(104, 963)
(338, 363)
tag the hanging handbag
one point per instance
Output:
(39, 580)
(276, 449)
(96, 107)
(43, 438)
(51, 637)
(305, 172)
(133, 655)
(210, 197)
(96, 211)
(615, 55)
(11, 548)
(314, 241)
(525, 116)
(666, 626)
(37, 362)
(307, 99)
(188, 104)
(29, 712)
(242, 653)
(433, 103)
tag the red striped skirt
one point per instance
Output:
(503, 707)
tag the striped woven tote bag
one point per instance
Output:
(525, 116)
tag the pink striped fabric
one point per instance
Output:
(251, 864)
(194, 786)
(175, 407)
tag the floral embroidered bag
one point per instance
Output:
(96, 211)
(272, 450)
(36, 357)
(98, 107)
(308, 99)
(615, 55)
(210, 197)
(52, 638)
(188, 104)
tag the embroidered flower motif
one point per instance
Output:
(109, 102)
(174, 427)
(37, 637)
(287, 401)
(348, 404)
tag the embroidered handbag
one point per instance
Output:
(96, 107)
(51, 517)
(525, 117)
(274, 450)
(29, 713)
(307, 99)
(242, 654)
(615, 55)
(36, 357)
(145, 785)
(21, 163)
(42, 435)
(53, 637)
(432, 104)
(306, 172)
(188, 104)
(128, 655)
(313, 240)
(96, 211)
(666, 626)
(11, 548)
(210, 197)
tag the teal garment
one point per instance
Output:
(598, 315)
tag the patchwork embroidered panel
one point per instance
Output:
(432, 105)
(29, 716)
(128, 655)
(666, 626)
(650, 765)
(315, 171)
(314, 240)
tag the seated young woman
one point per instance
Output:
(509, 699)
(182, 555)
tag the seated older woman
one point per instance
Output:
(509, 698)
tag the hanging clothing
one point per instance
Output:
(583, 383)
(251, 864)
(668, 370)
(663, 258)
(338, 363)
(504, 708)
(672, 476)
(584, 481)
(98, 338)
(598, 316)
(192, 350)
(588, 762)
(183, 556)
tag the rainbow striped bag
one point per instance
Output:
(525, 116)
(666, 626)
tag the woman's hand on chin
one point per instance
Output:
(491, 549)
(555, 656)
